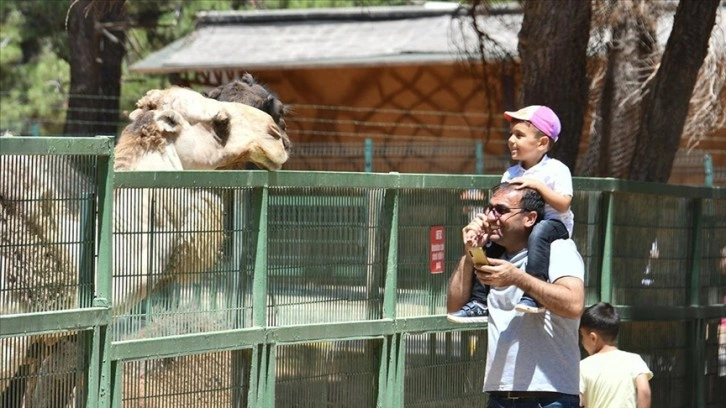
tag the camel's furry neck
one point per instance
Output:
(132, 156)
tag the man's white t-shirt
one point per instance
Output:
(534, 351)
(608, 379)
(555, 175)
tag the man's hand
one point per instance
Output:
(475, 233)
(564, 297)
(498, 273)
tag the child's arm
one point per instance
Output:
(642, 387)
(559, 202)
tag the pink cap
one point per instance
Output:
(542, 117)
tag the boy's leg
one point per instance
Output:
(538, 257)
(476, 310)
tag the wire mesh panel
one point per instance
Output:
(664, 348)
(587, 234)
(447, 156)
(443, 156)
(328, 374)
(713, 255)
(43, 370)
(182, 261)
(422, 281)
(651, 249)
(47, 224)
(325, 255)
(715, 384)
(445, 369)
(208, 380)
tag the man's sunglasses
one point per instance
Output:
(500, 209)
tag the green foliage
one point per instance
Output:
(35, 79)
(10, 52)
(33, 100)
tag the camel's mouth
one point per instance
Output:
(268, 165)
(251, 164)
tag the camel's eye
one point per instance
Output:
(220, 124)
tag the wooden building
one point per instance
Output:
(373, 88)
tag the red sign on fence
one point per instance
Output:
(436, 257)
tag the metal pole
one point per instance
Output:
(708, 169)
(606, 282)
(368, 151)
(479, 154)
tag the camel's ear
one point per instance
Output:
(273, 107)
(135, 114)
(248, 79)
(169, 121)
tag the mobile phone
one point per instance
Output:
(478, 256)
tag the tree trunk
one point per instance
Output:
(553, 50)
(666, 105)
(112, 50)
(95, 61)
(615, 125)
(82, 41)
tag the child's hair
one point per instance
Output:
(602, 319)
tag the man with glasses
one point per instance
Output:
(532, 359)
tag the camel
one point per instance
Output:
(172, 129)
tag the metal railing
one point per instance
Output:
(320, 289)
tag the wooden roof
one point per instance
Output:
(305, 38)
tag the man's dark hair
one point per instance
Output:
(531, 199)
(602, 319)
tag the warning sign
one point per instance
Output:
(436, 256)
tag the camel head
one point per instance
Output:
(205, 134)
(250, 92)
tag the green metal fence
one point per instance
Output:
(309, 289)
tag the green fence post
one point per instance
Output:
(100, 383)
(400, 373)
(377, 220)
(606, 280)
(392, 354)
(391, 282)
(269, 392)
(479, 154)
(368, 151)
(260, 204)
(708, 170)
(263, 371)
(697, 347)
(236, 219)
(86, 269)
(383, 364)
(395, 373)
